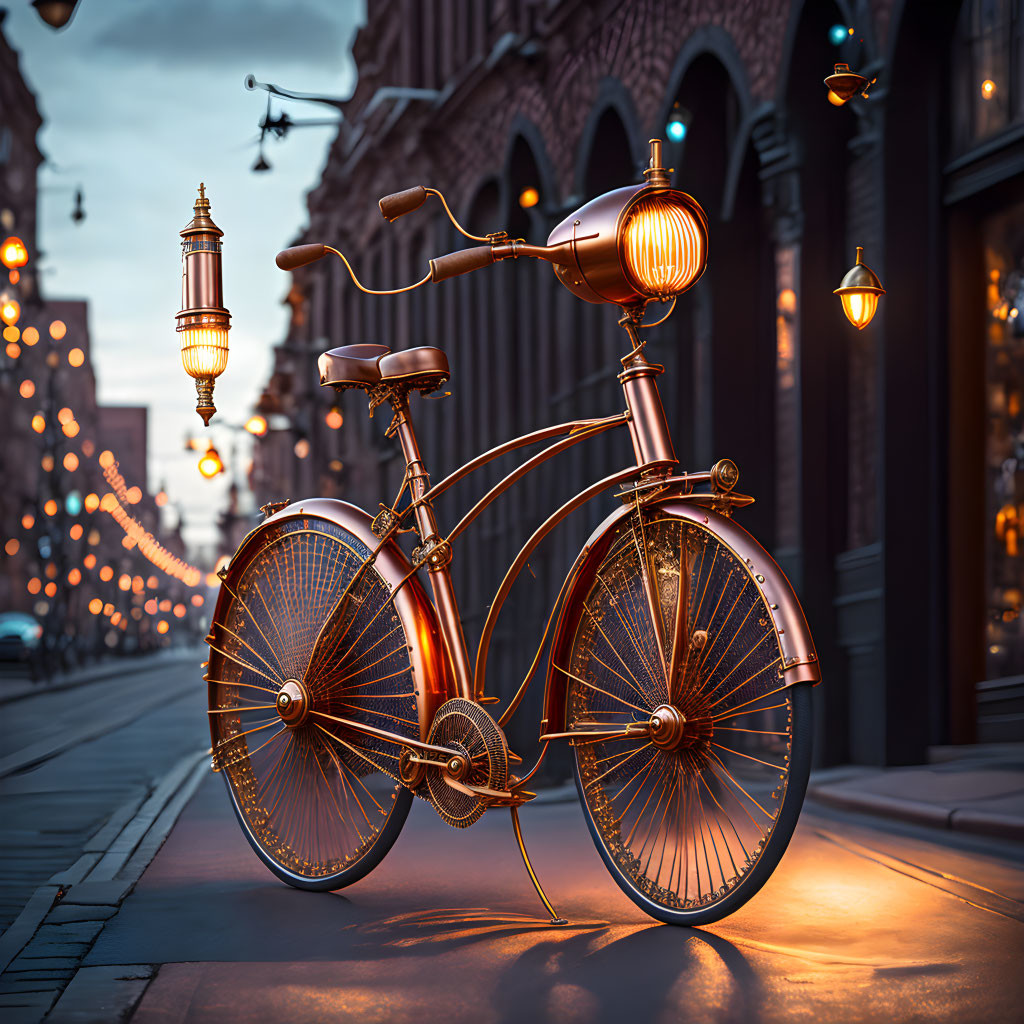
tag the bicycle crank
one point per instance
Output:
(476, 772)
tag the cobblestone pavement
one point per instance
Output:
(86, 774)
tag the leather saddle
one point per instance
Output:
(422, 369)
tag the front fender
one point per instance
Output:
(431, 673)
(799, 658)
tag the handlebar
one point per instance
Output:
(400, 203)
(461, 262)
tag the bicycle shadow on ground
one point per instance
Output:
(588, 970)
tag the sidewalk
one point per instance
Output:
(15, 687)
(977, 789)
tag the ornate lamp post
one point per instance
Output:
(204, 321)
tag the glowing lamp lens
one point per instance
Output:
(664, 246)
(837, 35)
(204, 351)
(859, 308)
(676, 129)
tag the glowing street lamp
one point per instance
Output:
(210, 465)
(203, 322)
(13, 253)
(10, 310)
(256, 425)
(859, 291)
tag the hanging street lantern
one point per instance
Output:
(203, 322)
(13, 253)
(843, 84)
(210, 465)
(859, 291)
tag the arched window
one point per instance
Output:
(988, 70)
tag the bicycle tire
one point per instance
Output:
(727, 795)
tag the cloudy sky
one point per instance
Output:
(142, 100)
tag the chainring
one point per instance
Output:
(466, 728)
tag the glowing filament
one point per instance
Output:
(204, 351)
(664, 246)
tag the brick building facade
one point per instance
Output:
(866, 450)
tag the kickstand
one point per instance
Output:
(555, 919)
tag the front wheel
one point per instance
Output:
(692, 816)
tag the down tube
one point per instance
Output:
(521, 559)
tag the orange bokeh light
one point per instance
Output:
(13, 253)
(76, 531)
(106, 459)
(29, 336)
(95, 606)
(197, 600)
(13, 351)
(89, 561)
(10, 311)
(92, 502)
(50, 508)
(76, 357)
(38, 423)
(151, 606)
(179, 611)
(28, 521)
(47, 463)
(50, 590)
(124, 581)
(58, 329)
(35, 585)
(27, 389)
(71, 462)
(75, 577)
(134, 495)
(71, 429)
(162, 627)
(106, 574)
(12, 546)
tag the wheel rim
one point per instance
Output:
(686, 811)
(301, 637)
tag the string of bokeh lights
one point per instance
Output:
(136, 535)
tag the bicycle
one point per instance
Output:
(680, 662)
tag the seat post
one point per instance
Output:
(440, 578)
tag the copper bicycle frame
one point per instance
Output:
(655, 460)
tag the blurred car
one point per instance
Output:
(20, 635)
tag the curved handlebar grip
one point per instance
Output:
(461, 262)
(300, 255)
(400, 203)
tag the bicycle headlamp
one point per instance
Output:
(634, 244)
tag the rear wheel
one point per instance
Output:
(693, 816)
(303, 635)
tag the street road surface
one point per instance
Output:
(858, 924)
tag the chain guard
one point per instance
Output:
(466, 728)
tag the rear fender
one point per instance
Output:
(432, 676)
(799, 658)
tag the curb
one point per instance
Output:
(41, 952)
(918, 812)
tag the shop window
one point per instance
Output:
(988, 76)
(1004, 444)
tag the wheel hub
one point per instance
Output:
(293, 703)
(667, 726)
